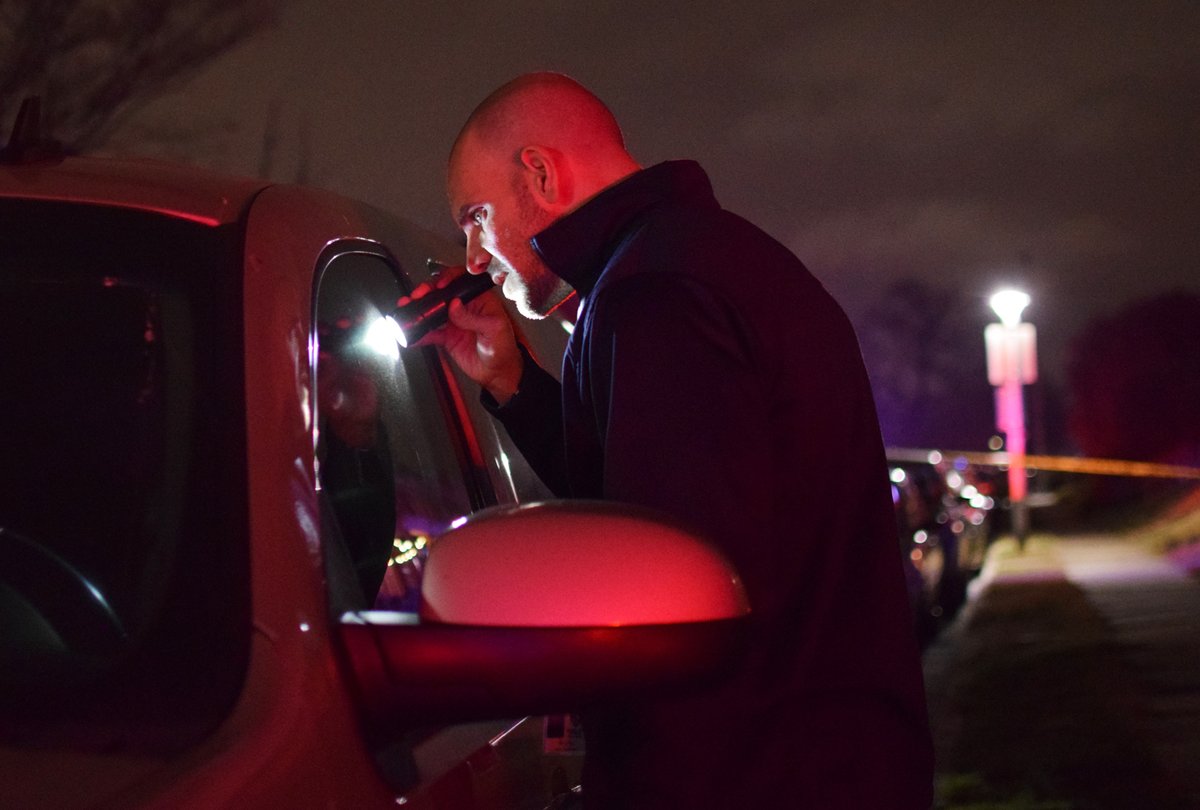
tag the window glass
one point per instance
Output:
(123, 577)
(391, 468)
(395, 470)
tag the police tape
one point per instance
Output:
(1073, 464)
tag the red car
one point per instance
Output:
(253, 556)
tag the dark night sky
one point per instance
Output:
(966, 143)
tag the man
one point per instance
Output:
(711, 377)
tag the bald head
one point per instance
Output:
(553, 112)
(532, 152)
(545, 108)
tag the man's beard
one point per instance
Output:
(536, 290)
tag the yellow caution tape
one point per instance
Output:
(1092, 466)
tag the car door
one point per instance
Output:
(404, 455)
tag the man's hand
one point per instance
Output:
(479, 337)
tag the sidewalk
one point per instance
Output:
(1071, 679)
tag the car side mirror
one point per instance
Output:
(548, 608)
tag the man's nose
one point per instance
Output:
(478, 259)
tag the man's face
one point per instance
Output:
(499, 216)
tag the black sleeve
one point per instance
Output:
(533, 418)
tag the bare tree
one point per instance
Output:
(94, 61)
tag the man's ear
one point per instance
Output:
(548, 175)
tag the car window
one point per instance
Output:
(124, 594)
(403, 452)
(392, 466)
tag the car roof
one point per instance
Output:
(148, 185)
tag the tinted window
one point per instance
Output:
(123, 570)
(392, 467)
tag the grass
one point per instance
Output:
(1177, 526)
(970, 791)
(1036, 712)
(1033, 706)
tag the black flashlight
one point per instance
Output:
(422, 315)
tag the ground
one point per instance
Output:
(1072, 679)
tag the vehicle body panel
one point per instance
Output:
(293, 736)
(147, 185)
(297, 733)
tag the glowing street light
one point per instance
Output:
(1012, 363)
(1008, 305)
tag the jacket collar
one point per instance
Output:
(577, 246)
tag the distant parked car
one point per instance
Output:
(251, 555)
(942, 515)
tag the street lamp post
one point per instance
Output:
(1012, 363)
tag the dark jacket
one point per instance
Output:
(711, 377)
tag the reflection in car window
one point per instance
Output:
(389, 468)
(124, 593)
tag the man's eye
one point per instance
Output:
(477, 217)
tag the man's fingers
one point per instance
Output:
(445, 278)
(465, 317)
(419, 291)
(443, 275)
